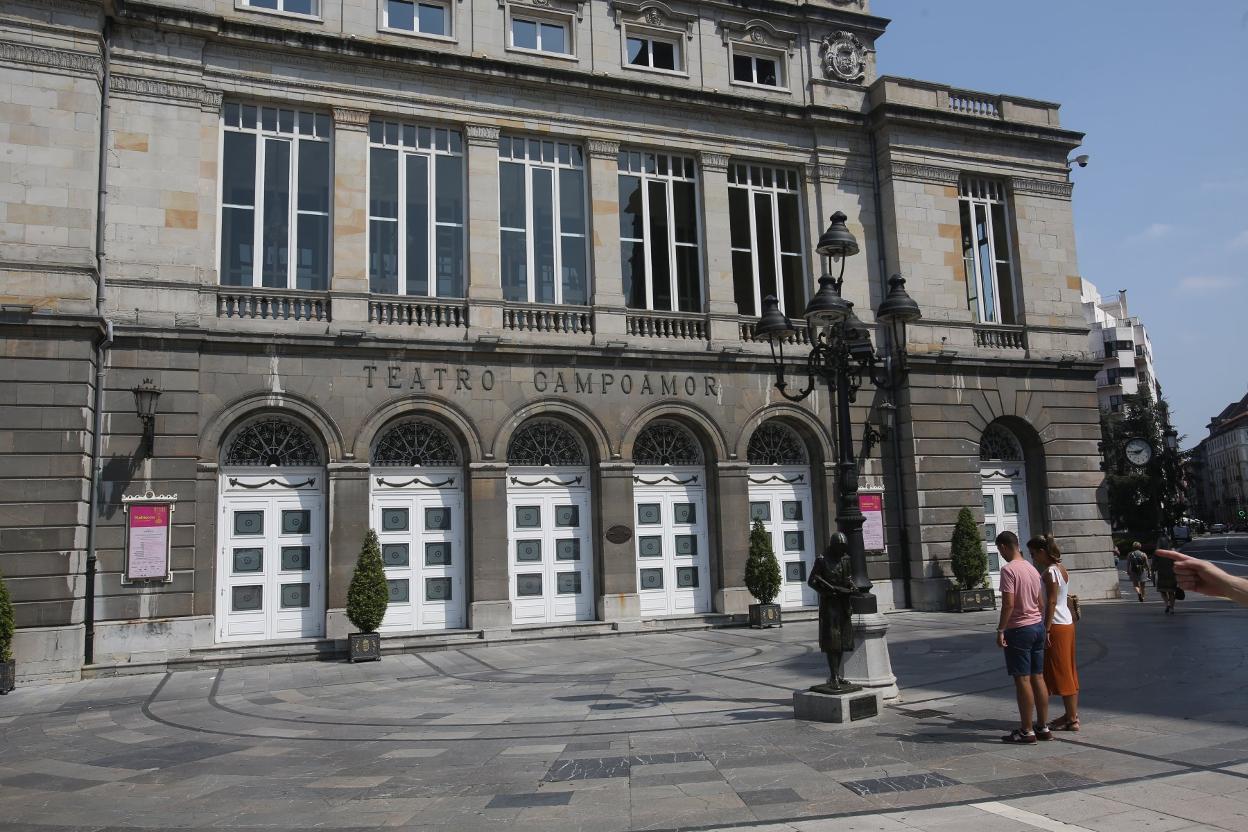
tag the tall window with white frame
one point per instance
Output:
(542, 221)
(765, 226)
(986, 248)
(275, 197)
(541, 34)
(645, 50)
(415, 210)
(308, 7)
(659, 232)
(425, 17)
(757, 67)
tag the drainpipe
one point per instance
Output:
(903, 531)
(101, 353)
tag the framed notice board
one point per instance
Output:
(149, 530)
(872, 505)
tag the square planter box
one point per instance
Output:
(365, 647)
(765, 615)
(969, 600)
(8, 676)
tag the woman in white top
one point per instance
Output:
(1060, 673)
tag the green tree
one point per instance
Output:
(762, 570)
(7, 625)
(369, 594)
(970, 561)
(1141, 499)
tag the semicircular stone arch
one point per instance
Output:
(415, 442)
(999, 443)
(665, 442)
(546, 443)
(775, 443)
(272, 440)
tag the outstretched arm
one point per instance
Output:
(1205, 577)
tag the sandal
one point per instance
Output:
(1065, 724)
(1017, 737)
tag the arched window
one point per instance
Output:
(774, 443)
(545, 443)
(999, 444)
(415, 443)
(664, 443)
(272, 442)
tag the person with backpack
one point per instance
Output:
(1137, 568)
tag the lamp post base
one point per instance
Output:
(869, 664)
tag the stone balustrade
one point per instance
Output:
(429, 313)
(572, 320)
(675, 326)
(272, 305)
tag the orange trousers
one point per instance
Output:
(1060, 674)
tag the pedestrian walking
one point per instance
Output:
(1166, 582)
(1020, 632)
(1137, 568)
(1061, 676)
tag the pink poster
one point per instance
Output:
(147, 542)
(873, 529)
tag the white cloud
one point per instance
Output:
(1206, 283)
(1240, 240)
(1156, 231)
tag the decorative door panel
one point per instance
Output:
(673, 574)
(1005, 509)
(549, 542)
(781, 499)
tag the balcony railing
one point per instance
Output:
(272, 305)
(428, 313)
(1000, 338)
(667, 325)
(572, 320)
(974, 104)
(801, 336)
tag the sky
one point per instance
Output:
(1161, 91)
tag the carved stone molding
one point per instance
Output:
(711, 160)
(840, 173)
(759, 32)
(603, 149)
(135, 87)
(655, 14)
(576, 7)
(923, 173)
(844, 57)
(1041, 187)
(481, 134)
(55, 58)
(348, 119)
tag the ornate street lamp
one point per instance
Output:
(145, 396)
(843, 356)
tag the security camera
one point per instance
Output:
(1081, 161)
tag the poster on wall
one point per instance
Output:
(873, 529)
(149, 522)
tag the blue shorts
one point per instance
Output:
(1024, 650)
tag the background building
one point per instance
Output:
(1223, 466)
(1122, 343)
(483, 276)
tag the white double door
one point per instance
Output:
(673, 577)
(419, 519)
(271, 559)
(550, 545)
(781, 499)
(1005, 509)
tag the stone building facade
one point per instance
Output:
(482, 276)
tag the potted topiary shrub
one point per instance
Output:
(8, 668)
(367, 598)
(970, 568)
(762, 578)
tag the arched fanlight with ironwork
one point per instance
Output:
(272, 442)
(999, 444)
(415, 443)
(665, 443)
(545, 443)
(775, 443)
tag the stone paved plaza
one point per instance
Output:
(689, 730)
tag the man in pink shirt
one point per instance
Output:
(1020, 630)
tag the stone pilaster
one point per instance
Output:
(604, 199)
(350, 273)
(733, 498)
(347, 505)
(485, 287)
(720, 300)
(619, 600)
(490, 609)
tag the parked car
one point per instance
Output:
(1181, 534)
(1218, 528)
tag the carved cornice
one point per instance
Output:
(1041, 187)
(135, 87)
(757, 32)
(654, 14)
(603, 149)
(576, 7)
(348, 119)
(22, 53)
(711, 160)
(481, 134)
(923, 173)
(840, 173)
